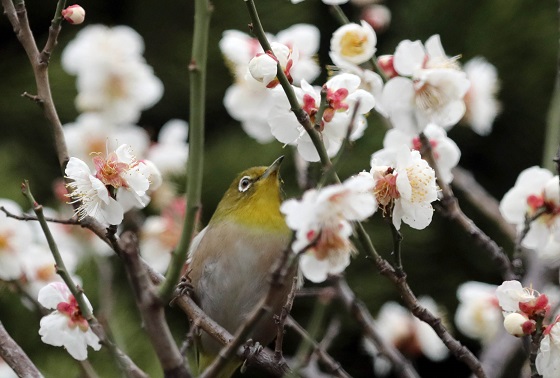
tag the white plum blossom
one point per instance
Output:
(65, 326)
(14, 240)
(431, 87)
(378, 16)
(321, 220)
(354, 43)
(413, 337)
(548, 356)
(480, 99)
(127, 178)
(91, 132)
(478, 316)
(343, 94)
(171, 151)
(513, 297)
(113, 78)
(248, 100)
(536, 191)
(405, 188)
(445, 150)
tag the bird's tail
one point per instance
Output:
(199, 361)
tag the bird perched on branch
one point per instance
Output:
(230, 260)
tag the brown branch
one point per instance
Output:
(319, 349)
(15, 357)
(151, 310)
(25, 217)
(17, 15)
(281, 319)
(481, 199)
(450, 208)
(401, 365)
(265, 359)
(455, 347)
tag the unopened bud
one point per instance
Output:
(74, 14)
(378, 16)
(518, 325)
(263, 68)
(386, 63)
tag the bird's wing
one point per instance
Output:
(196, 242)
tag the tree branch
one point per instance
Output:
(15, 357)
(151, 310)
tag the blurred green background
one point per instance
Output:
(520, 37)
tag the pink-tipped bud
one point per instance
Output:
(385, 62)
(378, 16)
(518, 325)
(74, 14)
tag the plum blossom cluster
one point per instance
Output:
(411, 336)
(248, 100)
(322, 224)
(66, 325)
(118, 184)
(524, 310)
(535, 198)
(522, 307)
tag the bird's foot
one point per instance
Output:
(252, 349)
(184, 287)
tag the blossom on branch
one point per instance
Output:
(118, 183)
(354, 43)
(248, 100)
(321, 220)
(343, 95)
(430, 89)
(65, 326)
(405, 187)
(445, 150)
(536, 195)
(74, 14)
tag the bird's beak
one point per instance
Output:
(274, 168)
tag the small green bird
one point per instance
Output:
(230, 260)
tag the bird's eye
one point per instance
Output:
(244, 183)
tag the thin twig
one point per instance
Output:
(25, 217)
(319, 349)
(401, 365)
(15, 357)
(397, 241)
(457, 349)
(281, 319)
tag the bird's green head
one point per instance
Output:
(254, 198)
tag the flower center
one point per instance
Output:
(5, 241)
(310, 107)
(72, 311)
(352, 43)
(428, 97)
(537, 203)
(110, 171)
(328, 241)
(115, 87)
(385, 190)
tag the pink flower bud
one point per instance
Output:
(385, 62)
(74, 14)
(518, 325)
(378, 16)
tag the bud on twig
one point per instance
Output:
(74, 14)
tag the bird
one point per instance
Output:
(229, 261)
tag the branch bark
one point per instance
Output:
(15, 357)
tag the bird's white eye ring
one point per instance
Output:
(244, 183)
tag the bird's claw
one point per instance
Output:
(252, 349)
(184, 287)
